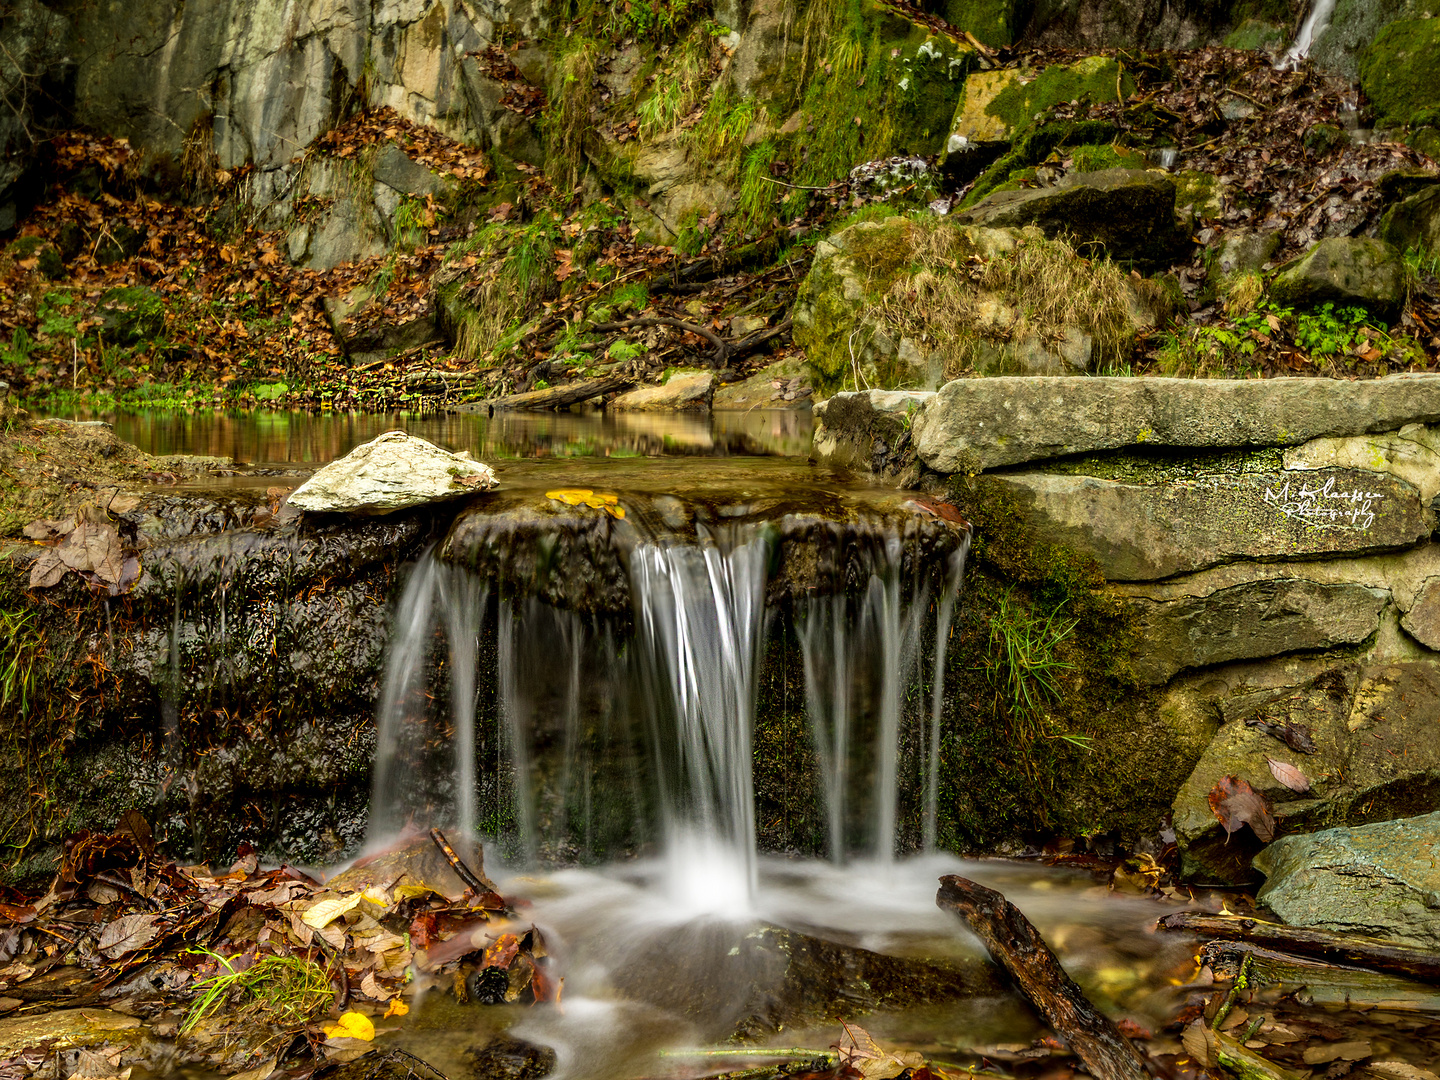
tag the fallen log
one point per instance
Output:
(1323, 983)
(1374, 953)
(1017, 946)
(557, 397)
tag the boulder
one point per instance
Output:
(995, 106)
(1343, 270)
(1380, 880)
(864, 430)
(977, 424)
(1127, 214)
(398, 171)
(1371, 720)
(784, 384)
(1243, 251)
(130, 314)
(1397, 71)
(391, 472)
(683, 392)
(1414, 222)
(1144, 532)
(1251, 621)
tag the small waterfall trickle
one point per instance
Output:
(860, 656)
(417, 775)
(944, 615)
(1317, 21)
(700, 616)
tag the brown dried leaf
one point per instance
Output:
(1288, 775)
(47, 570)
(1236, 803)
(128, 933)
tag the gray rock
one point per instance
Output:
(1372, 723)
(1380, 880)
(1343, 270)
(1414, 222)
(1143, 532)
(781, 385)
(861, 430)
(1422, 621)
(348, 232)
(1129, 213)
(1251, 621)
(1245, 250)
(1412, 454)
(391, 472)
(977, 424)
(397, 170)
(684, 392)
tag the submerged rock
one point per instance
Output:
(391, 472)
(1380, 880)
(1343, 270)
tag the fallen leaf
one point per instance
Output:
(396, 1008)
(1288, 775)
(1353, 1050)
(1400, 1070)
(351, 1025)
(129, 933)
(1236, 803)
(322, 913)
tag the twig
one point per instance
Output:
(805, 187)
(750, 1051)
(722, 348)
(468, 876)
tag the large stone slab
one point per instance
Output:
(1144, 532)
(977, 424)
(1251, 621)
(1412, 454)
(391, 472)
(1381, 880)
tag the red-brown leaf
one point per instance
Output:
(1236, 803)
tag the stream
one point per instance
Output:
(614, 788)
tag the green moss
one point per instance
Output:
(1253, 34)
(995, 22)
(1007, 779)
(1034, 147)
(1095, 78)
(1397, 71)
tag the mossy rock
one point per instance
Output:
(1255, 34)
(1398, 71)
(997, 105)
(130, 314)
(995, 22)
(46, 255)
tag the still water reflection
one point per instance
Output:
(304, 439)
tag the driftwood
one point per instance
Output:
(1365, 952)
(1324, 983)
(1211, 1048)
(476, 882)
(1017, 946)
(557, 397)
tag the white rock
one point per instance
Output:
(391, 472)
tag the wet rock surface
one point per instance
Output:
(1378, 880)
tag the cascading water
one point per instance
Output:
(1317, 21)
(700, 614)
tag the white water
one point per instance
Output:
(1315, 24)
(700, 613)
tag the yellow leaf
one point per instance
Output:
(570, 496)
(351, 1025)
(325, 912)
(616, 512)
(397, 1008)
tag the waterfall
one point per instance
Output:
(413, 776)
(1315, 24)
(700, 616)
(859, 658)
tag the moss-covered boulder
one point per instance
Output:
(1414, 222)
(1343, 270)
(995, 106)
(38, 253)
(130, 314)
(1398, 73)
(904, 303)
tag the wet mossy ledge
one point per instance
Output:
(1227, 574)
